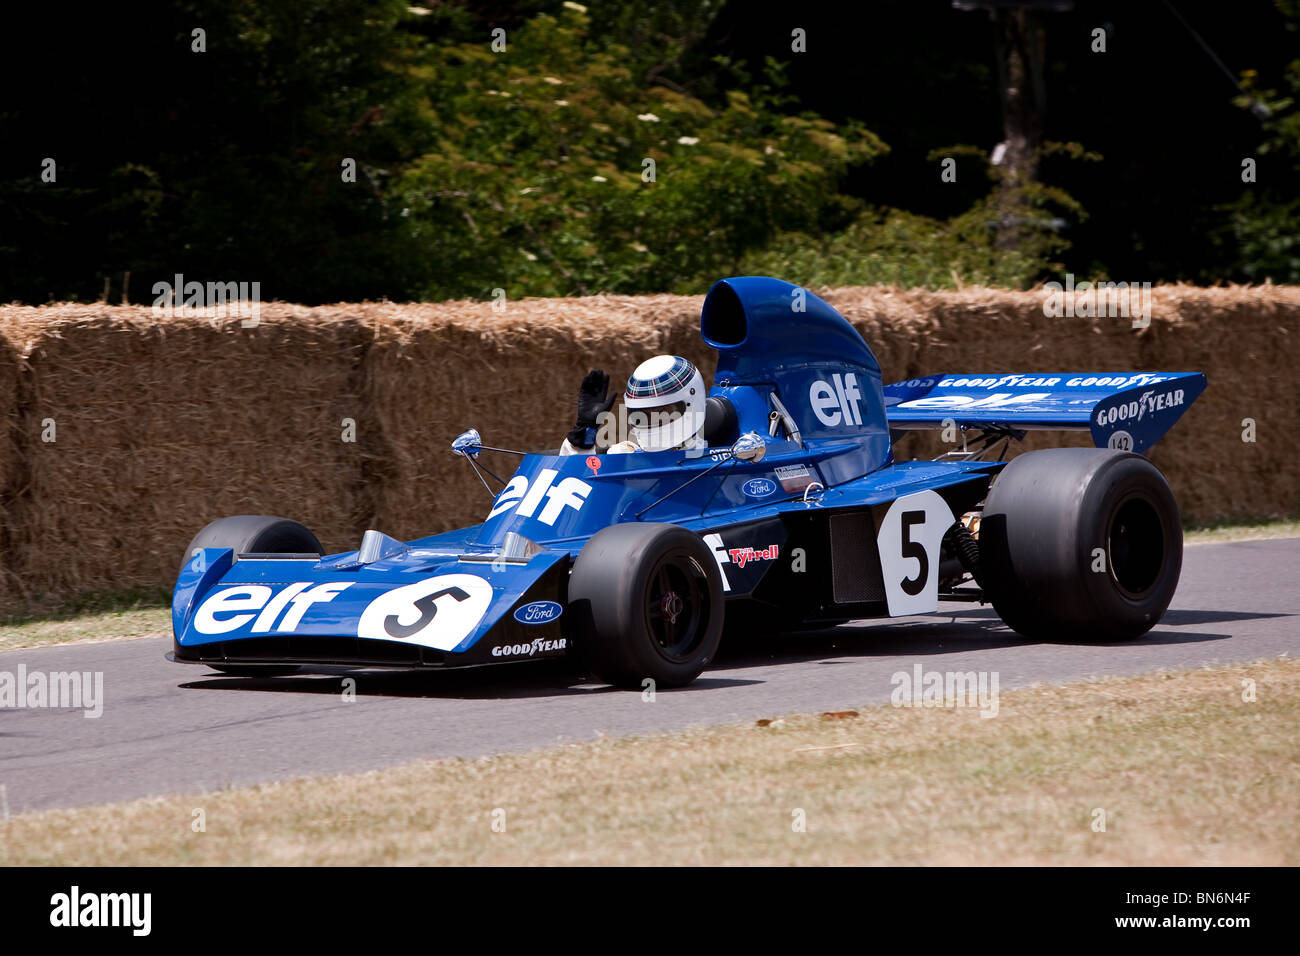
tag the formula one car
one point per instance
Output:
(796, 516)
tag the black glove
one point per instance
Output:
(592, 402)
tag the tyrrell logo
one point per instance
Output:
(742, 556)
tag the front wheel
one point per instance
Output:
(646, 602)
(249, 534)
(1080, 544)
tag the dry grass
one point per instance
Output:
(1187, 772)
(88, 628)
(1245, 532)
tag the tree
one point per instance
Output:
(1264, 224)
(559, 169)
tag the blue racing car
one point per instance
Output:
(788, 512)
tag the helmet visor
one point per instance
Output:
(657, 416)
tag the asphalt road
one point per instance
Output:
(169, 728)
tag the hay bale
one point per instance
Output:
(162, 425)
(165, 424)
(436, 369)
(16, 328)
(1246, 340)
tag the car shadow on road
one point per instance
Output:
(956, 632)
(556, 678)
(1184, 618)
(1178, 617)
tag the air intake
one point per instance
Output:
(375, 546)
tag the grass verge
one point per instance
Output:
(1214, 534)
(1184, 769)
(103, 626)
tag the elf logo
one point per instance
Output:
(970, 402)
(836, 404)
(231, 608)
(525, 499)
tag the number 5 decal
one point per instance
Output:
(428, 608)
(437, 612)
(909, 538)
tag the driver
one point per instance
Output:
(665, 409)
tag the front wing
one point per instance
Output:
(457, 613)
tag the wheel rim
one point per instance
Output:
(676, 607)
(1136, 546)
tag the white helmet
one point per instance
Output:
(665, 403)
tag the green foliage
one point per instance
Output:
(610, 148)
(895, 247)
(222, 164)
(540, 178)
(305, 85)
(1264, 224)
(1266, 233)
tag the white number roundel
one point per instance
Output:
(438, 612)
(909, 540)
(1121, 440)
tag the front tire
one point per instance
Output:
(1080, 544)
(254, 534)
(646, 602)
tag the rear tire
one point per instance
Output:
(254, 534)
(1044, 520)
(646, 602)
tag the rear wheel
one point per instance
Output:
(646, 602)
(1080, 544)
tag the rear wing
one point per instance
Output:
(1126, 410)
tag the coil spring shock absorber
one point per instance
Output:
(960, 538)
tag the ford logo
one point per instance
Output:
(538, 612)
(758, 487)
